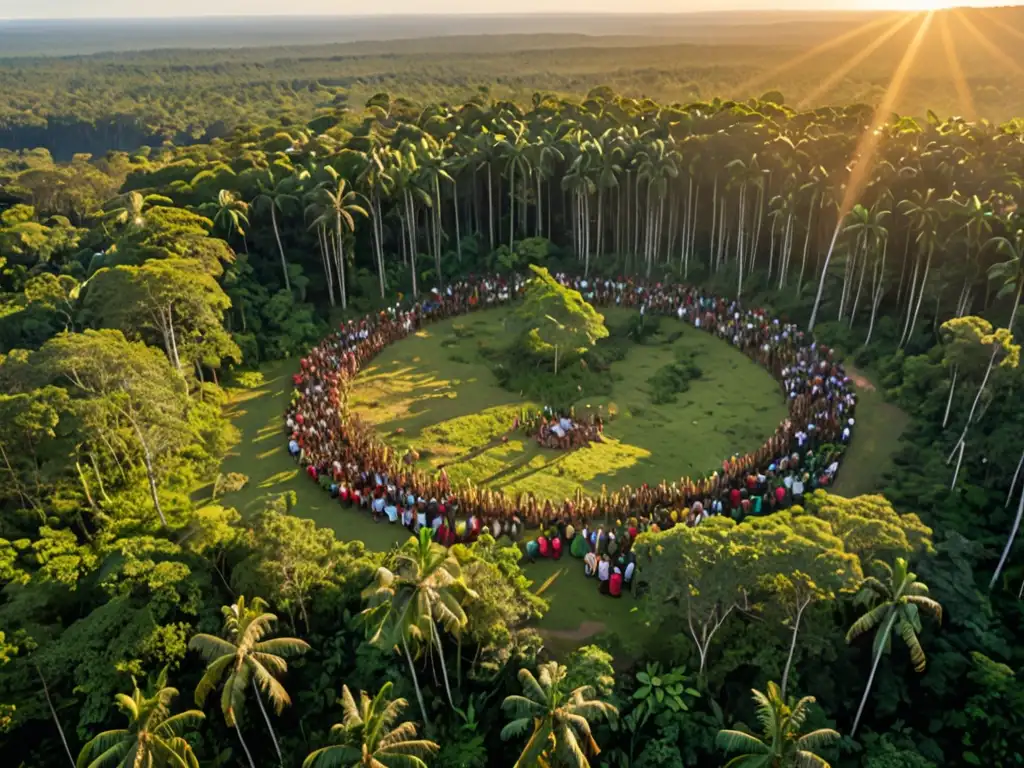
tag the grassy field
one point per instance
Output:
(435, 392)
(453, 390)
(262, 455)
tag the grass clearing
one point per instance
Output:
(435, 392)
(457, 400)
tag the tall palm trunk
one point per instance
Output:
(821, 282)
(877, 293)
(458, 233)
(266, 719)
(874, 669)
(245, 747)
(807, 245)
(490, 206)
(415, 683)
(540, 207)
(920, 295)
(792, 646)
(1009, 542)
(53, 714)
(444, 667)
(280, 247)
(511, 206)
(340, 253)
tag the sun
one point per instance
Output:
(925, 5)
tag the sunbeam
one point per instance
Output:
(864, 154)
(997, 53)
(831, 81)
(828, 45)
(963, 92)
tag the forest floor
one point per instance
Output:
(437, 401)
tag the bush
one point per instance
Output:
(673, 379)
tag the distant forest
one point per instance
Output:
(970, 64)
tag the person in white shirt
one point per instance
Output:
(392, 512)
(604, 569)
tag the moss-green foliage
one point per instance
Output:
(554, 322)
(673, 379)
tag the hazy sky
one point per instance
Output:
(66, 9)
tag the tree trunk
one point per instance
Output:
(340, 252)
(1009, 541)
(792, 646)
(53, 714)
(511, 206)
(444, 667)
(280, 247)
(245, 747)
(807, 243)
(821, 282)
(910, 299)
(458, 233)
(266, 719)
(1013, 483)
(150, 474)
(415, 683)
(874, 669)
(949, 402)
(490, 206)
(920, 295)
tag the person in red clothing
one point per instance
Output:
(556, 547)
(734, 498)
(780, 495)
(615, 583)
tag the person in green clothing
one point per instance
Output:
(532, 550)
(756, 506)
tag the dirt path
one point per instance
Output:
(584, 631)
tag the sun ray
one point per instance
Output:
(828, 45)
(830, 82)
(864, 154)
(963, 92)
(997, 53)
(1000, 23)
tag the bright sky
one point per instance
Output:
(66, 9)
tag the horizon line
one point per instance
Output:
(497, 15)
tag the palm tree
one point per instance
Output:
(782, 745)
(276, 196)
(405, 604)
(245, 659)
(366, 738)
(154, 737)
(894, 604)
(337, 206)
(130, 208)
(560, 719)
(228, 212)
(1011, 272)
(924, 214)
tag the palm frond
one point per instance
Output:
(737, 741)
(211, 647)
(282, 646)
(818, 739)
(868, 621)
(917, 656)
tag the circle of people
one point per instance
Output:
(347, 457)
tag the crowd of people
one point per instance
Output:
(344, 453)
(563, 431)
